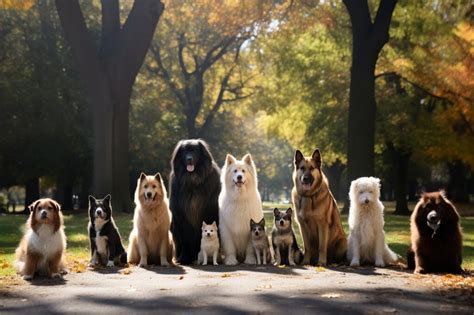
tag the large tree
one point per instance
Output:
(368, 39)
(108, 72)
(197, 54)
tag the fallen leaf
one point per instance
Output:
(125, 271)
(320, 269)
(281, 266)
(181, 278)
(226, 275)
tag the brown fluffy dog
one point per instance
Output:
(150, 240)
(41, 249)
(436, 239)
(318, 216)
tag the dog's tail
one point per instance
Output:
(410, 259)
(298, 256)
(390, 256)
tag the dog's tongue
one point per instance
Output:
(306, 187)
(190, 168)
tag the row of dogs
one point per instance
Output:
(217, 213)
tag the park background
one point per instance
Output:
(92, 96)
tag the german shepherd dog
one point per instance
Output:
(317, 213)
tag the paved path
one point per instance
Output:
(224, 289)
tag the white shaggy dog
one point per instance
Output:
(239, 201)
(367, 237)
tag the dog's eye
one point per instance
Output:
(211, 231)
(311, 168)
(302, 168)
(235, 171)
(154, 186)
(361, 192)
(146, 186)
(243, 171)
(50, 208)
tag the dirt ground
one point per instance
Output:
(241, 289)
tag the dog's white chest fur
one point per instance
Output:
(101, 240)
(47, 242)
(283, 239)
(209, 245)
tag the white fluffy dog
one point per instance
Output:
(367, 237)
(239, 201)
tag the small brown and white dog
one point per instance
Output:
(41, 250)
(209, 244)
(150, 240)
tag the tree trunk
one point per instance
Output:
(334, 174)
(32, 193)
(458, 187)
(401, 162)
(368, 39)
(109, 72)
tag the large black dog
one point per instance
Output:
(194, 192)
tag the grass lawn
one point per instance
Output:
(11, 230)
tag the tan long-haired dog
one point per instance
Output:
(317, 213)
(150, 240)
(41, 249)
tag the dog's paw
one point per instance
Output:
(110, 263)
(250, 261)
(306, 261)
(56, 275)
(215, 263)
(292, 263)
(379, 263)
(231, 261)
(28, 277)
(165, 263)
(321, 263)
(92, 263)
(355, 263)
(419, 270)
(142, 264)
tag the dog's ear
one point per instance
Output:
(317, 158)
(289, 211)
(203, 224)
(107, 200)
(33, 205)
(262, 222)
(142, 176)
(298, 157)
(56, 205)
(276, 212)
(252, 222)
(91, 200)
(57, 218)
(214, 224)
(229, 159)
(248, 159)
(158, 177)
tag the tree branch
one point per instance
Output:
(163, 73)
(137, 34)
(181, 46)
(221, 49)
(110, 26)
(360, 16)
(77, 35)
(382, 22)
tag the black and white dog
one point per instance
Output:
(105, 241)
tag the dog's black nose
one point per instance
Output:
(366, 200)
(98, 211)
(256, 233)
(208, 234)
(239, 177)
(282, 222)
(189, 159)
(307, 179)
(44, 214)
(433, 216)
(148, 194)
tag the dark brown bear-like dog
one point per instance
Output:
(436, 239)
